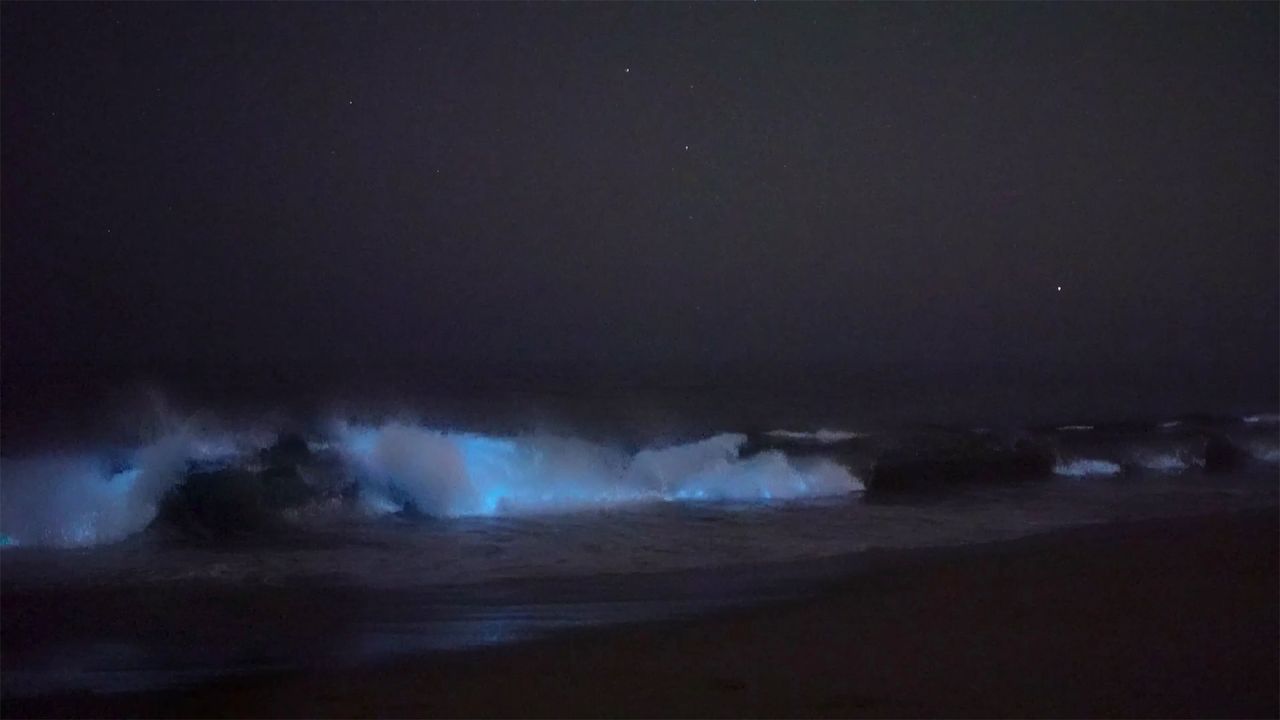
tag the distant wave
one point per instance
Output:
(822, 436)
(1163, 462)
(1264, 418)
(1265, 451)
(1076, 427)
(1084, 467)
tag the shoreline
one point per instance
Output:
(1169, 617)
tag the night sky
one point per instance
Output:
(640, 193)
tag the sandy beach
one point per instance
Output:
(1153, 618)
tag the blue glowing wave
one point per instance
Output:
(464, 474)
(80, 500)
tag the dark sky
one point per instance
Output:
(641, 190)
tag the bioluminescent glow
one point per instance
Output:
(84, 499)
(78, 500)
(71, 501)
(462, 474)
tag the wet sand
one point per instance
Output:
(1168, 618)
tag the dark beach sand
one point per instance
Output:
(1154, 618)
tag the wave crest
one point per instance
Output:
(461, 474)
(78, 500)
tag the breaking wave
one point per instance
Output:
(203, 482)
(462, 474)
(75, 500)
(84, 499)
